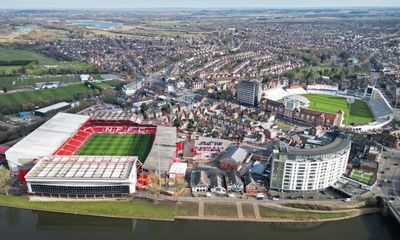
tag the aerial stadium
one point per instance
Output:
(326, 105)
(77, 155)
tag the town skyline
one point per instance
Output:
(191, 4)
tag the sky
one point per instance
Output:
(203, 4)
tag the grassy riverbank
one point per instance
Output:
(170, 210)
(124, 209)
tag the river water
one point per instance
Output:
(27, 224)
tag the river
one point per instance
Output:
(26, 224)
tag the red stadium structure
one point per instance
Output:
(72, 145)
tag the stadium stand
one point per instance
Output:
(296, 91)
(72, 145)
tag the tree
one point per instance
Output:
(109, 95)
(5, 177)
(177, 122)
(179, 184)
(143, 108)
(5, 89)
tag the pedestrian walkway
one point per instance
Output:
(201, 208)
(239, 210)
(256, 211)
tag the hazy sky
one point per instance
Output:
(87, 4)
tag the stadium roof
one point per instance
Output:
(46, 139)
(83, 168)
(298, 98)
(163, 150)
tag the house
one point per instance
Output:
(85, 77)
(232, 158)
(199, 181)
(233, 181)
(217, 184)
(251, 187)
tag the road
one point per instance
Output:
(389, 178)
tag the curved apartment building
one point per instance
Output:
(307, 169)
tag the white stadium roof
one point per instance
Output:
(163, 149)
(46, 139)
(83, 168)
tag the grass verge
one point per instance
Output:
(266, 212)
(124, 209)
(220, 210)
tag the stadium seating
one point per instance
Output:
(380, 108)
(72, 145)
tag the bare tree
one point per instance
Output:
(5, 177)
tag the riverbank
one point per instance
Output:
(201, 210)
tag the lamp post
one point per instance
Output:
(349, 100)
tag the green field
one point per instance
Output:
(361, 176)
(15, 61)
(116, 144)
(360, 111)
(19, 101)
(27, 81)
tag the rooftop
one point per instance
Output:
(339, 142)
(163, 149)
(83, 167)
(46, 139)
(53, 107)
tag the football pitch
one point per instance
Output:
(115, 144)
(360, 111)
(361, 176)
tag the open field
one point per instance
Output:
(360, 111)
(106, 84)
(27, 81)
(14, 61)
(115, 144)
(15, 102)
(361, 176)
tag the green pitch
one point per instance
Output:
(360, 111)
(115, 144)
(361, 176)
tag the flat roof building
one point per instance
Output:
(55, 107)
(249, 92)
(67, 176)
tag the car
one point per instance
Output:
(346, 200)
(395, 164)
(260, 196)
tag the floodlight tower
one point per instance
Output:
(397, 98)
(349, 100)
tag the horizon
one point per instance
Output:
(192, 4)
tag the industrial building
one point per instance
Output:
(312, 168)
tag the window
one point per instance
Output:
(76, 190)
